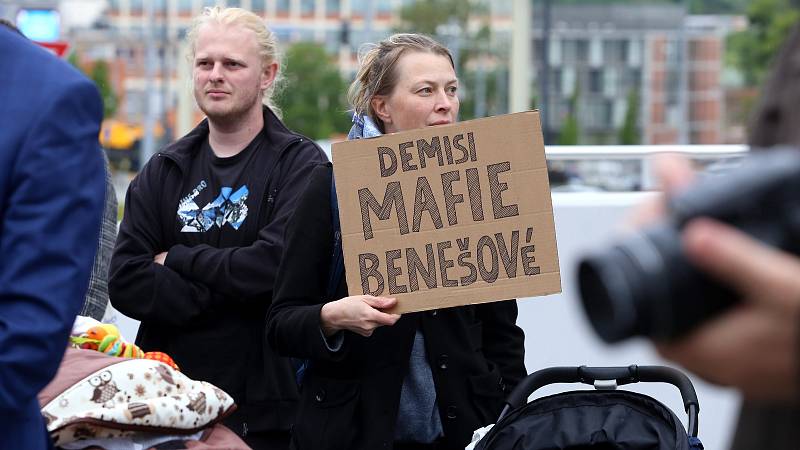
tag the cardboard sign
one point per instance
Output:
(449, 215)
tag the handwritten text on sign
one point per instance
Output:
(448, 215)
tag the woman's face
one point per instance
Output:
(425, 94)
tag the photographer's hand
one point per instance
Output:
(753, 346)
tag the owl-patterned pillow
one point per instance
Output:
(134, 395)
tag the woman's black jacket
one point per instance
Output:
(350, 398)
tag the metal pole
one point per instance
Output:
(519, 92)
(544, 71)
(166, 75)
(148, 142)
(480, 85)
(683, 80)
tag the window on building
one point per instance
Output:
(635, 53)
(113, 6)
(555, 81)
(595, 81)
(332, 40)
(358, 37)
(136, 31)
(184, 6)
(554, 51)
(233, 3)
(635, 78)
(307, 34)
(209, 3)
(673, 87)
(257, 6)
(581, 50)
(695, 50)
(502, 8)
(615, 51)
(333, 6)
(383, 6)
(596, 52)
(136, 7)
(568, 81)
(282, 6)
(597, 114)
(307, 7)
(569, 51)
(538, 50)
(127, 55)
(610, 82)
(608, 113)
(282, 34)
(358, 6)
(620, 108)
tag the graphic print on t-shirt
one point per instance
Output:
(228, 208)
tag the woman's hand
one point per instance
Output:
(360, 314)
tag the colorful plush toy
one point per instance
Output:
(106, 338)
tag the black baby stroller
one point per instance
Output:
(605, 418)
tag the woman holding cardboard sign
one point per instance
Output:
(376, 380)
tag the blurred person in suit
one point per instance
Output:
(51, 199)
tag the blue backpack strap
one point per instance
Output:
(334, 275)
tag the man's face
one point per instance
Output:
(228, 74)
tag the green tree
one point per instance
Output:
(73, 59)
(313, 100)
(425, 16)
(100, 76)
(752, 50)
(448, 22)
(570, 131)
(629, 133)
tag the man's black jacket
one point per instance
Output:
(206, 306)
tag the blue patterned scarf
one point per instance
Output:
(363, 127)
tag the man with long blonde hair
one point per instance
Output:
(202, 234)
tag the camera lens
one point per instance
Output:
(607, 296)
(644, 286)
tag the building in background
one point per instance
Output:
(598, 54)
(341, 26)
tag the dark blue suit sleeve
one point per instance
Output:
(49, 229)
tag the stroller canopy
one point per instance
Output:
(590, 420)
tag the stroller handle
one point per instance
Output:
(622, 375)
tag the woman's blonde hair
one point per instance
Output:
(265, 39)
(377, 75)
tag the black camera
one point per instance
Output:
(644, 286)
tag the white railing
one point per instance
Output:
(628, 167)
(617, 152)
(586, 155)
